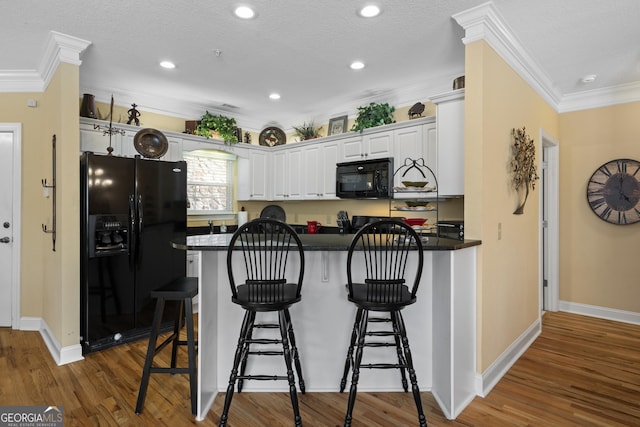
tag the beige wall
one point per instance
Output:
(49, 280)
(36, 165)
(598, 261)
(496, 101)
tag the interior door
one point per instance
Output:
(6, 226)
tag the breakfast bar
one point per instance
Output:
(441, 324)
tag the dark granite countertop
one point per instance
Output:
(315, 242)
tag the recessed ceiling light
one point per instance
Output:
(167, 64)
(589, 78)
(357, 65)
(244, 12)
(274, 96)
(369, 11)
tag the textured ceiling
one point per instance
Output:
(302, 51)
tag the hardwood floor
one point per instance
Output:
(581, 371)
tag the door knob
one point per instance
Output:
(5, 240)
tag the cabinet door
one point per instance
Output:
(258, 161)
(97, 142)
(378, 145)
(294, 172)
(193, 263)
(313, 171)
(352, 149)
(320, 171)
(287, 175)
(280, 184)
(450, 123)
(408, 146)
(330, 156)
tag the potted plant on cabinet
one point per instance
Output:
(374, 114)
(307, 131)
(224, 126)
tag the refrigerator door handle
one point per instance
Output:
(139, 230)
(133, 240)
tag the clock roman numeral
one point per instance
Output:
(606, 213)
(622, 166)
(636, 171)
(596, 203)
(637, 212)
(622, 217)
(605, 170)
(593, 181)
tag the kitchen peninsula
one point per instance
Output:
(441, 325)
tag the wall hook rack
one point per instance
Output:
(52, 186)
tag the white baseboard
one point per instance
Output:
(600, 312)
(61, 355)
(489, 378)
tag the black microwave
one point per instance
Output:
(365, 179)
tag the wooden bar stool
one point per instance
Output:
(384, 267)
(265, 264)
(183, 290)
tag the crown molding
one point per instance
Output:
(483, 22)
(60, 48)
(603, 97)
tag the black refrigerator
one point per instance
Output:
(131, 211)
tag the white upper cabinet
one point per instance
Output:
(258, 172)
(450, 131)
(414, 143)
(369, 145)
(320, 170)
(96, 141)
(287, 174)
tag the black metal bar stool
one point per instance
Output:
(182, 290)
(384, 267)
(265, 263)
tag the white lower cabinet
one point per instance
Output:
(193, 263)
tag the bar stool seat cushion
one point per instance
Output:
(376, 297)
(266, 296)
(180, 288)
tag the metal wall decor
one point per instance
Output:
(52, 186)
(109, 130)
(523, 166)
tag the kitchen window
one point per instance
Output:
(209, 182)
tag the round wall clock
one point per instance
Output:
(272, 136)
(613, 191)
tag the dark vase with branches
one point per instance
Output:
(523, 166)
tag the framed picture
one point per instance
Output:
(337, 125)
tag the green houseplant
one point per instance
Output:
(372, 115)
(307, 131)
(224, 126)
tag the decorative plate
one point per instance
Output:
(151, 143)
(272, 136)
